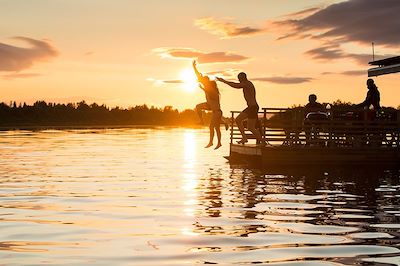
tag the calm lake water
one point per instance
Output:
(157, 197)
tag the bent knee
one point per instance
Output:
(251, 127)
(238, 120)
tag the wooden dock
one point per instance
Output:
(343, 139)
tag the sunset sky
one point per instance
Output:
(130, 52)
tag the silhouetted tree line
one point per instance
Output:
(82, 114)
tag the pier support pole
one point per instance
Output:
(232, 123)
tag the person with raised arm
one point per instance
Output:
(212, 103)
(251, 112)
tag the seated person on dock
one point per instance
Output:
(373, 99)
(373, 96)
(313, 112)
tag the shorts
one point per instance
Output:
(203, 106)
(216, 117)
(251, 112)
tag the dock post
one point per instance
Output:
(330, 127)
(365, 131)
(232, 122)
(263, 125)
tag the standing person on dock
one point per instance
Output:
(212, 103)
(251, 112)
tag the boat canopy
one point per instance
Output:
(384, 66)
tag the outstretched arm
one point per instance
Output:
(232, 84)
(198, 74)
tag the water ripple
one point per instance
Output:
(155, 196)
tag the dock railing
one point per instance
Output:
(335, 128)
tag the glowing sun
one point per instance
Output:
(189, 80)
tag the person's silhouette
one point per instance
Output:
(313, 111)
(212, 103)
(373, 96)
(251, 112)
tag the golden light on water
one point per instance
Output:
(97, 195)
(189, 175)
(190, 179)
(189, 148)
(189, 80)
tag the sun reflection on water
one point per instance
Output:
(190, 178)
(156, 197)
(189, 149)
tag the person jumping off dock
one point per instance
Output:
(213, 103)
(251, 112)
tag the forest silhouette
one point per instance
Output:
(81, 114)
(42, 113)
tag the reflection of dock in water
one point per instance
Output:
(345, 138)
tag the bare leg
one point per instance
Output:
(225, 123)
(239, 121)
(218, 131)
(215, 124)
(210, 143)
(199, 110)
(199, 114)
(251, 124)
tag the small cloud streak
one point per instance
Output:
(159, 82)
(303, 13)
(284, 80)
(331, 52)
(14, 58)
(200, 56)
(175, 81)
(226, 29)
(347, 73)
(21, 75)
(355, 73)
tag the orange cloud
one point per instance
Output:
(15, 58)
(226, 29)
(200, 56)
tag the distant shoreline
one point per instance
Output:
(82, 127)
(42, 115)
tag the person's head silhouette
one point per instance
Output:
(242, 76)
(371, 84)
(312, 98)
